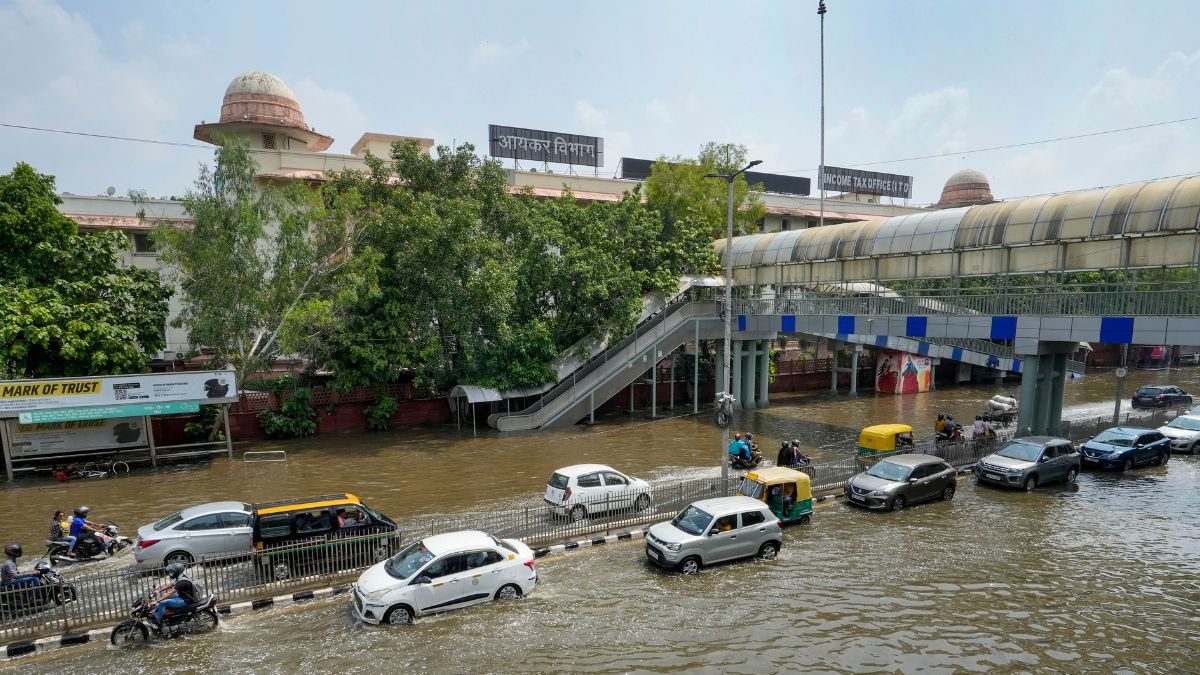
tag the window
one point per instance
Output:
(752, 518)
(452, 564)
(725, 523)
(167, 522)
(590, 480)
(482, 559)
(210, 522)
(750, 488)
(351, 516)
(558, 481)
(269, 141)
(235, 519)
(143, 243)
(313, 522)
(615, 479)
(273, 527)
(785, 225)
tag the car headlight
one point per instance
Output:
(879, 493)
(672, 547)
(375, 596)
(1115, 453)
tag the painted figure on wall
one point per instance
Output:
(886, 377)
(909, 382)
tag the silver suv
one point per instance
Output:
(1029, 462)
(715, 530)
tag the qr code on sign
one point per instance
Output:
(120, 394)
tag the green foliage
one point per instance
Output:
(295, 418)
(379, 414)
(203, 429)
(68, 304)
(693, 207)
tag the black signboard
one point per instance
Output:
(545, 146)
(838, 179)
(639, 169)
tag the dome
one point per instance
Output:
(967, 186)
(261, 98)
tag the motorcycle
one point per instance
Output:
(52, 589)
(108, 542)
(951, 437)
(739, 462)
(197, 617)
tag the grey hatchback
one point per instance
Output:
(1029, 462)
(900, 480)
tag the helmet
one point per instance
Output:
(13, 550)
(82, 511)
(796, 442)
(949, 417)
(175, 570)
(749, 435)
(737, 437)
(941, 416)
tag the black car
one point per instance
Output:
(1160, 396)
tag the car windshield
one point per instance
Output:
(167, 522)
(751, 488)
(1022, 451)
(558, 481)
(1116, 438)
(1188, 423)
(692, 520)
(406, 563)
(1150, 391)
(888, 471)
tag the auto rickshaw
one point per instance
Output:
(883, 440)
(786, 491)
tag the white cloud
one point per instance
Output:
(334, 113)
(489, 52)
(588, 115)
(657, 112)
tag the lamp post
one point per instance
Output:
(728, 178)
(821, 171)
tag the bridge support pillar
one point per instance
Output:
(746, 392)
(1043, 378)
(833, 366)
(764, 375)
(735, 385)
(854, 370)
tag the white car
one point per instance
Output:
(1184, 432)
(443, 572)
(200, 531)
(585, 489)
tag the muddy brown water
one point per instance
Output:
(1100, 577)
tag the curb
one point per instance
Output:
(15, 650)
(587, 543)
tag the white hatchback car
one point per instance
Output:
(443, 572)
(199, 531)
(1184, 432)
(584, 489)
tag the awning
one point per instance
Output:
(475, 393)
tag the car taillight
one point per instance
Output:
(779, 523)
(1161, 396)
(147, 543)
(566, 494)
(531, 564)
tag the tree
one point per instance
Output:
(678, 190)
(262, 265)
(68, 304)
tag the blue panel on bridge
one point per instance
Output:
(789, 323)
(1004, 328)
(741, 322)
(957, 354)
(923, 348)
(881, 340)
(916, 326)
(845, 325)
(1016, 367)
(1116, 330)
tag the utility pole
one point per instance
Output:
(728, 178)
(821, 171)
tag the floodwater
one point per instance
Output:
(1098, 577)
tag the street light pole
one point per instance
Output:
(728, 178)
(821, 171)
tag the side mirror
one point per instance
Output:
(422, 580)
(1043, 458)
(913, 480)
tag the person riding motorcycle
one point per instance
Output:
(738, 448)
(10, 574)
(981, 428)
(953, 430)
(82, 528)
(178, 594)
(59, 527)
(939, 425)
(751, 447)
(786, 456)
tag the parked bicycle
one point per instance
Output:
(723, 415)
(93, 469)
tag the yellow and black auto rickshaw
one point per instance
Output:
(883, 440)
(786, 491)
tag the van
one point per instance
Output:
(328, 532)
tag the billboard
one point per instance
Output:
(39, 440)
(639, 169)
(211, 386)
(838, 179)
(902, 373)
(545, 146)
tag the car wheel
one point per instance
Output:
(898, 504)
(400, 615)
(1072, 474)
(690, 566)
(804, 520)
(181, 557)
(579, 513)
(948, 493)
(1031, 483)
(508, 592)
(768, 551)
(1196, 448)
(1162, 459)
(1127, 464)
(642, 503)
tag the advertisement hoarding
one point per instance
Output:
(838, 179)
(545, 146)
(38, 440)
(902, 373)
(17, 396)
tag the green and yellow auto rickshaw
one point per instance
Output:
(786, 491)
(883, 440)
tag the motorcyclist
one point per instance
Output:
(786, 456)
(953, 430)
(738, 448)
(178, 594)
(59, 527)
(751, 448)
(10, 574)
(81, 527)
(939, 425)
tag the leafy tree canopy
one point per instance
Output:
(678, 190)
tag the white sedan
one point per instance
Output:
(443, 572)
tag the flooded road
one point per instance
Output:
(428, 471)
(1100, 577)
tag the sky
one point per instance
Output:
(903, 79)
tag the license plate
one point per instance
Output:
(1091, 459)
(993, 476)
(653, 554)
(857, 498)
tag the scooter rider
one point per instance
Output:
(786, 456)
(178, 594)
(10, 574)
(81, 527)
(738, 448)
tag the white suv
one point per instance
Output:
(585, 489)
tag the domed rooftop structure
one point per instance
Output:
(966, 187)
(259, 101)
